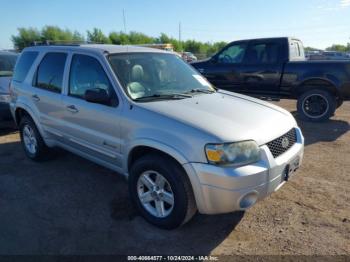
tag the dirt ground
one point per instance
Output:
(71, 206)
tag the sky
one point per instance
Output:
(318, 23)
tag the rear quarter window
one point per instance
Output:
(296, 51)
(23, 65)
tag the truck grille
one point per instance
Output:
(283, 143)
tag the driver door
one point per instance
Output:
(91, 128)
(227, 68)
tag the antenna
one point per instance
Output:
(124, 21)
(180, 36)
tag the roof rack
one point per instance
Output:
(60, 43)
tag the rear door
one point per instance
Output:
(225, 69)
(263, 66)
(91, 128)
(46, 93)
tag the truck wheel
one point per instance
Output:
(339, 102)
(32, 142)
(161, 191)
(316, 105)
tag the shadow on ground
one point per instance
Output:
(327, 131)
(7, 127)
(71, 206)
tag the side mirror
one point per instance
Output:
(98, 96)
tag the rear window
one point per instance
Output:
(24, 64)
(296, 51)
(7, 63)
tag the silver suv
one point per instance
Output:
(146, 114)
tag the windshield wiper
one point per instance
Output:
(163, 96)
(200, 90)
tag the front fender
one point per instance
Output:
(155, 144)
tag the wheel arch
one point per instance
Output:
(21, 111)
(139, 150)
(317, 83)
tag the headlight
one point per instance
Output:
(239, 153)
(5, 98)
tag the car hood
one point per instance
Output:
(4, 84)
(227, 116)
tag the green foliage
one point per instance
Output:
(308, 48)
(97, 36)
(25, 37)
(339, 48)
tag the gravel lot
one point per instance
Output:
(71, 206)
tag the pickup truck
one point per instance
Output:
(274, 68)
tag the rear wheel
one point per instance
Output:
(316, 105)
(32, 142)
(161, 191)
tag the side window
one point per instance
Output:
(87, 73)
(23, 65)
(263, 53)
(233, 54)
(296, 50)
(49, 75)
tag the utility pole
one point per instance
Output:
(124, 20)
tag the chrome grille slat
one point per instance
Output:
(276, 147)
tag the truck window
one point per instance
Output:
(23, 65)
(7, 63)
(296, 51)
(233, 54)
(263, 53)
(49, 75)
(87, 73)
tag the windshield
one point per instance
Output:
(145, 75)
(7, 63)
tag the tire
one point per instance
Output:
(176, 184)
(28, 131)
(316, 105)
(339, 102)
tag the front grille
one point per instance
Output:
(283, 143)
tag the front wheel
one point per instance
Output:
(339, 102)
(316, 105)
(161, 191)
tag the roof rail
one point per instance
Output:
(60, 43)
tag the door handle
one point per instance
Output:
(72, 108)
(36, 98)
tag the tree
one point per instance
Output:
(339, 48)
(119, 38)
(308, 48)
(25, 37)
(97, 36)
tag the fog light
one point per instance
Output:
(248, 200)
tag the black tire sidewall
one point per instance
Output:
(331, 100)
(173, 174)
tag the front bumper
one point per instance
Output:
(226, 189)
